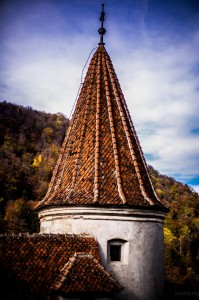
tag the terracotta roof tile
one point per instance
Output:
(101, 161)
(44, 262)
(83, 273)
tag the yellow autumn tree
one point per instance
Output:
(168, 236)
(37, 161)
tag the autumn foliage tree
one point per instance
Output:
(181, 230)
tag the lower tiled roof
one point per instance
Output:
(36, 266)
(83, 272)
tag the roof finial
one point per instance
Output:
(102, 30)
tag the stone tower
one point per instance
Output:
(101, 186)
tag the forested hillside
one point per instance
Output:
(29, 146)
(181, 234)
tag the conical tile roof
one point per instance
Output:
(101, 162)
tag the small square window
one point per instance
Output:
(118, 251)
(115, 252)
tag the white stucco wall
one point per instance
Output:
(141, 270)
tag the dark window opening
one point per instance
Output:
(115, 252)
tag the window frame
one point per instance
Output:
(124, 250)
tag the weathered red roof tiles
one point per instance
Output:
(101, 161)
(43, 264)
(83, 272)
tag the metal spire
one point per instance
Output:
(102, 30)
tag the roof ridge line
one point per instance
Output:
(97, 133)
(61, 277)
(136, 138)
(124, 123)
(113, 135)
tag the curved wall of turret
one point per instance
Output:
(130, 241)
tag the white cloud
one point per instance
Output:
(45, 76)
(161, 88)
(196, 188)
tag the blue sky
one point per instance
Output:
(154, 48)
